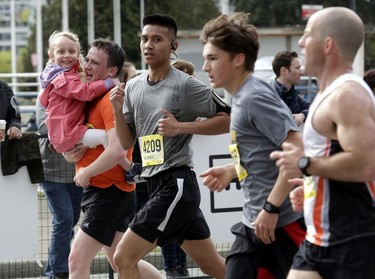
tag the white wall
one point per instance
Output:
(224, 209)
(18, 217)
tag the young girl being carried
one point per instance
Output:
(65, 94)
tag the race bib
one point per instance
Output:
(240, 170)
(309, 187)
(152, 150)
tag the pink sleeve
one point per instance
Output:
(70, 86)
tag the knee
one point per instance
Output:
(113, 266)
(215, 268)
(123, 261)
(206, 268)
(120, 260)
(72, 262)
(79, 265)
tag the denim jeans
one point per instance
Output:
(64, 201)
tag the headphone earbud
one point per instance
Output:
(174, 45)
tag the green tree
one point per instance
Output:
(193, 15)
(5, 65)
(280, 13)
(270, 13)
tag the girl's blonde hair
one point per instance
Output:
(71, 36)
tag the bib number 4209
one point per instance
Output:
(151, 146)
(152, 150)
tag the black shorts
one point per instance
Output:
(106, 211)
(248, 253)
(172, 213)
(352, 259)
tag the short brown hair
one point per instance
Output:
(116, 55)
(232, 34)
(283, 59)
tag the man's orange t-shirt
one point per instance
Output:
(101, 117)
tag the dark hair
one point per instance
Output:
(116, 55)
(232, 34)
(162, 20)
(369, 78)
(283, 59)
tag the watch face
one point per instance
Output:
(267, 207)
(270, 208)
(303, 162)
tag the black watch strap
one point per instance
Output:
(270, 208)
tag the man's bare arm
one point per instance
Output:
(109, 158)
(265, 222)
(282, 188)
(170, 127)
(124, 134)
(353, 116)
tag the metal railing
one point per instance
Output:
(34, 268)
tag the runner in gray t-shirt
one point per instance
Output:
(270, 232)
(180, 94)
(161, 108)
(262, 123)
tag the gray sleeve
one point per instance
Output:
(40, 117)
(271, 116)
(201, 99)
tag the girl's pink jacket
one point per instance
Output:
(64, 99)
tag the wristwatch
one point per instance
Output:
(270, 208)
(303, 164)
